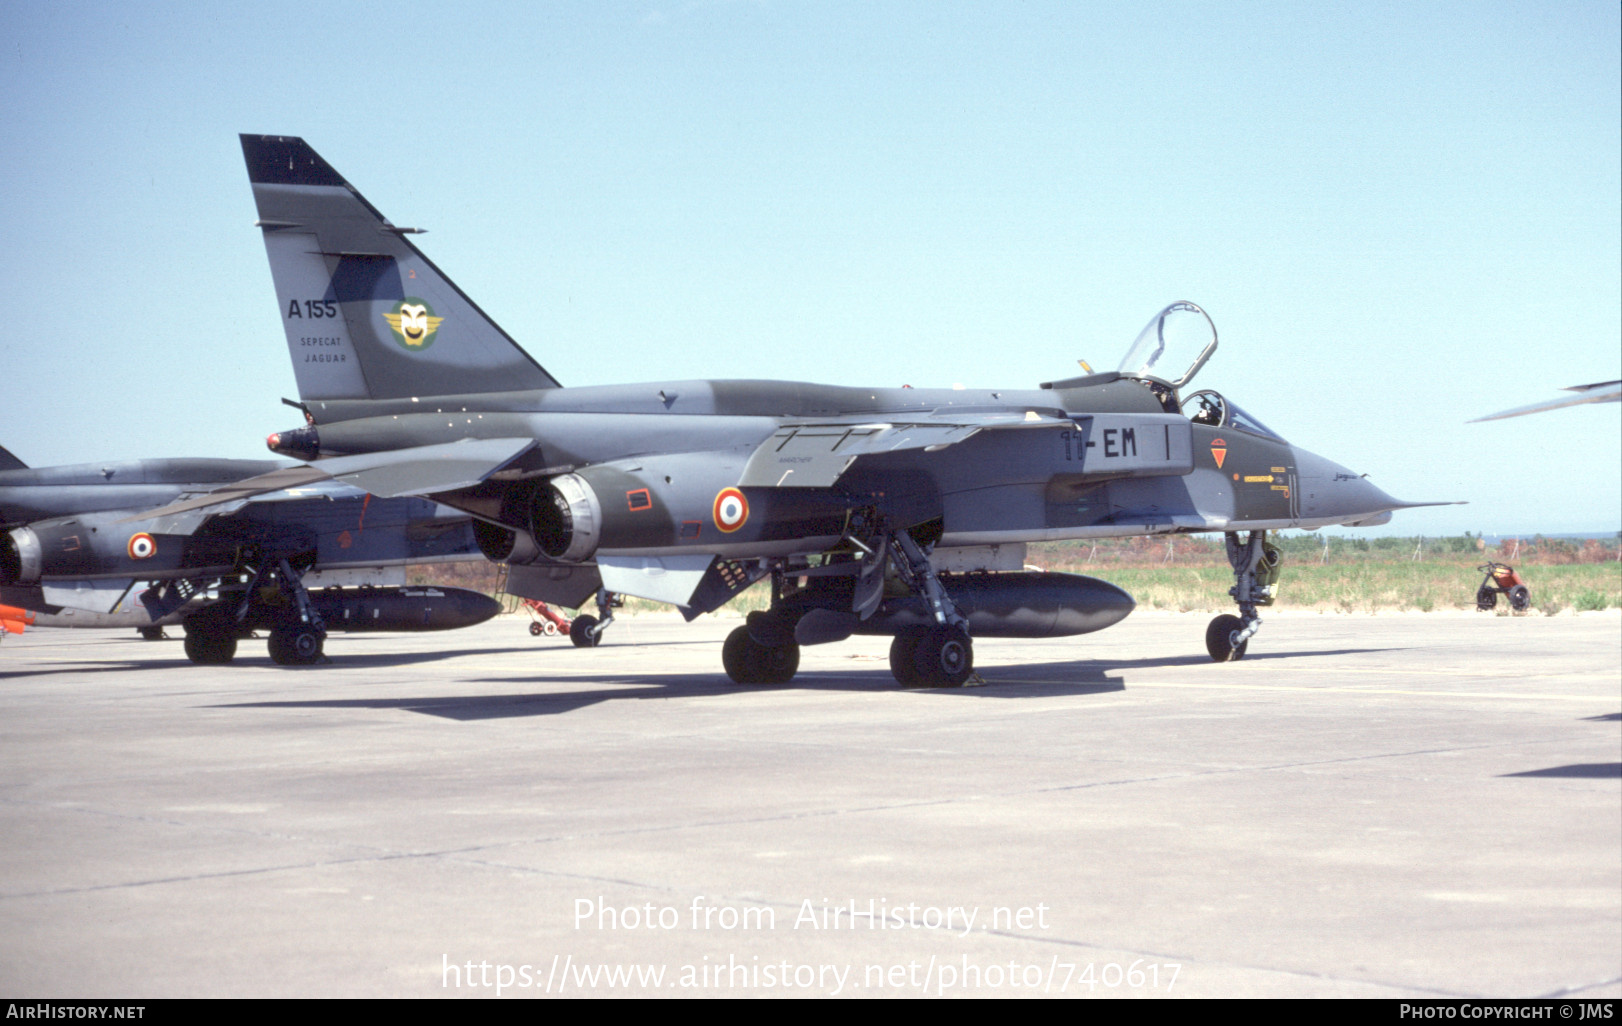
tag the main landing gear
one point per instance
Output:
(276, 592)
(586, 631)
(1255, 563)
(833, 600)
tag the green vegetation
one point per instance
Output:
(1189, 573)
(1368, 587)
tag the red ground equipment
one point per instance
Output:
(543, 619)
(1502, 579)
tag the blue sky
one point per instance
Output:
(1399, 216)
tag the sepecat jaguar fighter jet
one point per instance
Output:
(299, 563)
(892, 511)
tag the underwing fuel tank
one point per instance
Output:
(402, 609)
(1013, 605)
(341, 609)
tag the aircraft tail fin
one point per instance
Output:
(10, 462)
(367, 315)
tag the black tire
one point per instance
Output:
(580, 632)
(747, 661)
(152, 633)
(1520, 598)
(1219, 639)
(295, 646)
(737, 656)
(943, 657)
(780, 663)
(536, 630)
(901, 650)
(207, 647)
(1486, 599)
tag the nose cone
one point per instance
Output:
(1331, 494)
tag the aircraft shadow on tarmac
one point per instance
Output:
(1074, 678)
(1581, 770)
(372, 660)
(669, 686)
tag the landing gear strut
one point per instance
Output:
(941, 655)
(1255, 569)
(276, 597)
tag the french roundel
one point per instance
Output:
(731, 510)
(142, 546)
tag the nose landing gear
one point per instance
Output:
(1255, 563)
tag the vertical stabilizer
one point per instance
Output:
(10, 462)
(367, 315)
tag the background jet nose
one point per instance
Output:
(1330, 490)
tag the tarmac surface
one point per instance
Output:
(1388, 806)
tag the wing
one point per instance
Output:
(419, 470)
(815, 454)
(1598, 392)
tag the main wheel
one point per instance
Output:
(747, 661)
(1219, 639)
(210, 647)
(1486, 599)
(901, 650)
(152, 633)
(1520, 598)
(295, 646)
(943, 657)
(780, 664)
(211, 637)
(580, 632)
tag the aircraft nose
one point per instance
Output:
(1331, 492)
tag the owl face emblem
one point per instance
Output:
(413, 322)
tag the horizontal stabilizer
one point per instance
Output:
(566, 586)
(420, 470)
(671, 579)
(425, 469)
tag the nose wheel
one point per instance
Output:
(1220, 638)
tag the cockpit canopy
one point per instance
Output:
(1215, 410)
(1182, 335)
(1181, 332)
